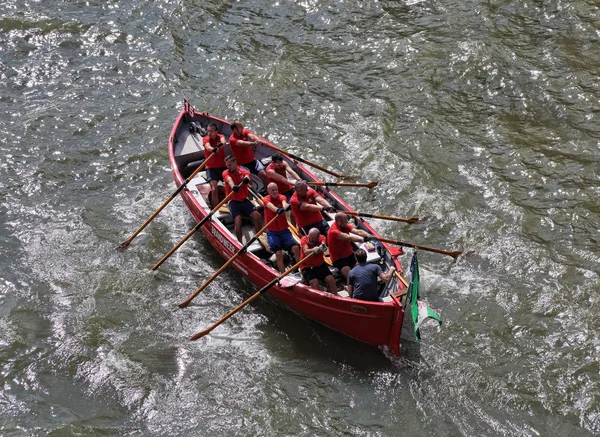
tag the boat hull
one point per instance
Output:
(376, 323)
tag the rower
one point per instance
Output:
(242, 142)
(307, 206)
(237, 180)
(339, 239)
(279, 236)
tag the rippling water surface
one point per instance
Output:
(482, 116)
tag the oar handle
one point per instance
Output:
(126, 243)
(410, 220)
(312, 164)
(194, 229)
(454, 254)
(250, 299)
(229, 261)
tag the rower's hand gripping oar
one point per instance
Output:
(344, 184)
(255, 295)
(312, 164)
(198, 226)
(229, 261)
(410, 220)
(454, 254)
(126, 243)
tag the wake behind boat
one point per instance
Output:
(376, 323)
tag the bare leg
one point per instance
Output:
(279, 258)
(214, 193)
(345, 270)
(238, 227)
(314, 283)
(296, 252)
(263, 177)
(330, 281)
(257, 219)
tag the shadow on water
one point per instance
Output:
(306, 339)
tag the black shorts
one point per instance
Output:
(245, 207)
(319, 272)
(322, 226)
(215, 174)
(349, 261)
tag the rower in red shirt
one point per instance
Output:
(307, 206)
(237, 180)
(277, 172)
(315, 268)
(339, 239)
(279, 236)
(242, 141)
(214, 143)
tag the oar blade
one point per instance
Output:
(200, 334)
(124, 244)
(372, 184)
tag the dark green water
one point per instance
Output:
(481, 115)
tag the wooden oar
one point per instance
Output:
(312, 164)
(126, 243)
(410, 220)
(344, 184)
(254, 296)
(229, 261)
(454, 254)
(194, 229)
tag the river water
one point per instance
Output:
(480, 115)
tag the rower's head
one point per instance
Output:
(273, 190)
(301, 188)
(361, 256)
(277, 160)
(231, 163)
(212, 130)
(313, 236)
(237, 127)
(341, 219)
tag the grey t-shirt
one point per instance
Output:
(364, 279)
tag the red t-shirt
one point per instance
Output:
(315, 260)
(237, 180)
(281, 223)
(283, 187)
(243, 154)
(217, 161)
(304, 218)
(339, 249)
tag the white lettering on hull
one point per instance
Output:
(228, 246)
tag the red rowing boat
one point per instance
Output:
(376, 323)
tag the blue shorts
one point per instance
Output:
(215, 174)
(254, 166)
(322, 226)
(281, 240)
(245, 207)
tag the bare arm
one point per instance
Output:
(360, 232)
(321, 201)
(349, 237)
(272, 174)
(229, 181)
(385, 277)
(290, 171)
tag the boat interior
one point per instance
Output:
(189, 154)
